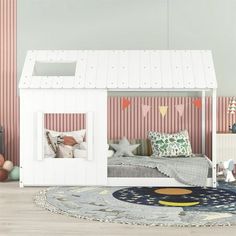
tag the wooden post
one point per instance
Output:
(214, 155)
(203, 122)
(89, 134)
(40, 136)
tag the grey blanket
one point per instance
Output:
(191, 171)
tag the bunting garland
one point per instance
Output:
(125, 103)
(232, 106)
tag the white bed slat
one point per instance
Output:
(134, 69)
(209, 69)
(91, 70)
(80, 70)
(156, 76)
(177, 70)
(101, 79)
(198, 72)
(166, 70)
(123, 72)
(145, 69)
(187, 70)
(112, 69)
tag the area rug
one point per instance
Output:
(152, 206)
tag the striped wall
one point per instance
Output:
(9, 108)
(65, 122)
(133, 125)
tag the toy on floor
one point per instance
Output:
(15, 173)
(7, 170)
(228, 167)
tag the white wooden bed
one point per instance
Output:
(86, 91)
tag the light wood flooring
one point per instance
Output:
(20, 216)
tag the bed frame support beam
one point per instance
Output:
(214, 155)
(203, 122)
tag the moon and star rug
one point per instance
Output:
(153, 206)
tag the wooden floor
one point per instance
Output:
(19, 216)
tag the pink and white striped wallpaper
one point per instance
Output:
(9, 103)
(65, 122)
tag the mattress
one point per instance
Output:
(128, 171)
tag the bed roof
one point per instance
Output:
(124, 69)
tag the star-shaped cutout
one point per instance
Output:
(124, 148)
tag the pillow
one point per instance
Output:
(170, 145)
(124, 148)
(64, 151)
(77, 135)
(69, 140)
(144, 148)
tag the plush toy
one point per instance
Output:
(3, 175)
(228, 167)
(15, 173)
(8, 165)
(1, 160)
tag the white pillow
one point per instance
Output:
(77, 135)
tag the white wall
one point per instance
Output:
(133, 24)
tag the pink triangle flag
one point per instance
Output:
(145, 110)
(180, 109)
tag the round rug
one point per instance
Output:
(141, 205)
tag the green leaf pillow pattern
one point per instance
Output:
(170, 145)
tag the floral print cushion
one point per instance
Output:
(170, 145)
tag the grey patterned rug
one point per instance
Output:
(98, 203)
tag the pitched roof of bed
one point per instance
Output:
(124, 69)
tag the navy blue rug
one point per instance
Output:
(193, 207)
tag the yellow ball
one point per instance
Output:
(8, 165)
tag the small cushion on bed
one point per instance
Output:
(64, 151)
(170, 145)
(144, 148)
(124, 148)
(69, 140)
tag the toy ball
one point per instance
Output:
(15, 173)
(8, 165)
(1, 160)
(3, 175)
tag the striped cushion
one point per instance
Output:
(144, 149)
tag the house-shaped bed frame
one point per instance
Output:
(98, 72)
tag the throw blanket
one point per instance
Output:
(191, 170)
